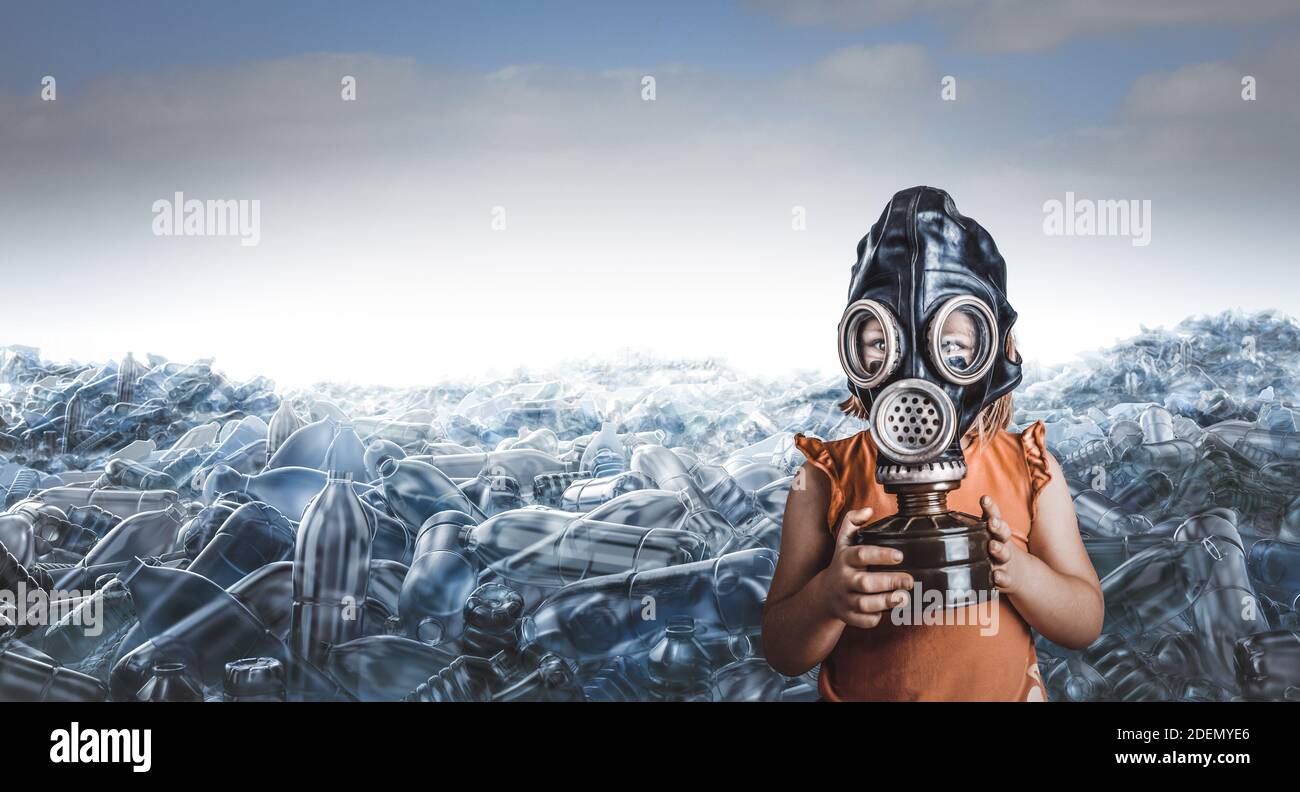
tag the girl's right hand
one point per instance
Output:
(852, 594)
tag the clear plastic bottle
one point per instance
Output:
(1268, 666)
(1158, 584)
(346, 454)
(283, 424)
(126, 473)
(441, 579)
(586, 494)
(467, 678)
(385, 667)
(523, 464)
(27, 679)
(287, 489)
(141, 535)
(268, 594)
(552, 678)
(493, 494)
(416, 490)
(1276, 564)
(306, 447)
(129, 372)
(1108, 670)
(18, 535)
(551, 552)
(1146, 493)
(1226, 609)
(678, 666)
(193, 439)
(771, 498)
(331, 571)
(605, 454)
(95, 519)
(668, 471)
(376, 451)
(121, 502)
(200, 529)
(1171, 456)
(251, 537)
(652, 508)
(186, 617)
(1108, 553)
(730, 499)
(1100, 516)
(96, 621)
(237, 436)
(1157, 424)
(620, 614)
(751, 679)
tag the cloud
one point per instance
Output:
(629, 223)
(851, 14)
(1027, 25)
(875, 70)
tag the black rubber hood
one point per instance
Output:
(920, 253)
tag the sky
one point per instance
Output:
(503, 192)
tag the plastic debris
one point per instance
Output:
(604, 535)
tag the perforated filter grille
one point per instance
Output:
(913, 421)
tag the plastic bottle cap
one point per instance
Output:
(681, 625)
(253, 676)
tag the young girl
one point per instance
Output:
(928, 315)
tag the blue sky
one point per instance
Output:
(84, 40)
(664, 225)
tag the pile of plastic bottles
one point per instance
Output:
(1182, 452)
(605, 535)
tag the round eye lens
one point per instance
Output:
(868, 343)
(871, 344)
(962, 337)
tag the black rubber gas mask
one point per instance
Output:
(924, 336)
(923, 342)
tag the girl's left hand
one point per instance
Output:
(1002, 551)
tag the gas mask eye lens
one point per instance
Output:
(868, 343)
(962, 335)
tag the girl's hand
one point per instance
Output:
(853, 595)
(1004, 553)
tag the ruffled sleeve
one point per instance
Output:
(1034, 442)
(815, 451)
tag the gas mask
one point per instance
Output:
(923, 343)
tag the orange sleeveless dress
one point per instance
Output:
(961, 659)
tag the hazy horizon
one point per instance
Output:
(501, 193)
